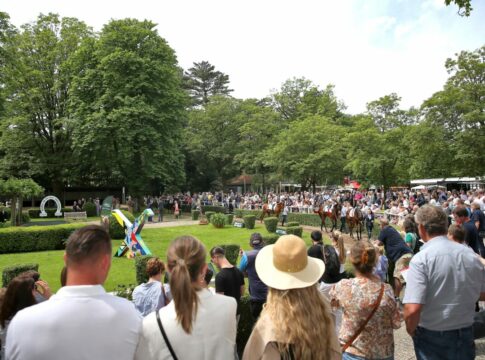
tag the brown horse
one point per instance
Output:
(267, 210)
(332, 215)
(355, 221)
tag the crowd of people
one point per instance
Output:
(304, 303)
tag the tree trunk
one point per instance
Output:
(58, 190)
(19, 214)
(13, 210)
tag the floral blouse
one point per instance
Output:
(356, 297)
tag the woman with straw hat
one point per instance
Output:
(296, 322)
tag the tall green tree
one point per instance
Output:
(129, 108)
(37, 124)
(203, 81)
(464, 6)
(17, 190)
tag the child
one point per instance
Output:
(382, 264)
(456, 233)
(338, 244)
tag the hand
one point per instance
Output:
(241, 252)
(43, 288)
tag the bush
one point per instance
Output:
(90, 209)
(293, 223)
(229, 218)
(241, 212)
(208, 215)
(34, 212)
(295, 230)
(12, 271)
(195, 214)
(116, 231)
(305, 219)
(35, 238)
(249, 221)
(231, 252)
(216, 209)
(270, 239)
(245, 325)
(271, 223)
(218, 220)
(141, 268)
(25, 216)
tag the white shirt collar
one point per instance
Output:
(81, 290)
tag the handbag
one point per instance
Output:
(165, 336)
(375, 306)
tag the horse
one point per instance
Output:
(355, 219)
(332, 215)
(266, 210)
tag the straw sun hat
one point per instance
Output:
(286, 265)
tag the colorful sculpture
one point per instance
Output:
(133, 244)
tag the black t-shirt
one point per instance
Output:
(393, 243)
(229, 282)
(471, 235)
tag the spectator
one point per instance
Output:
(410, 237)
(153, 295)
(369, 223)
(343, 217)
(382, 265)
(42, 292)
(81, 321)
(456, 234)
(338, 244)
(369, 308)
(197, 324)
(462, 218)
(18, 296)
(160, 209)
(296, 321)
(258, 291)
(445, 280)
(229, 280)
(207, 280)
(396, 251)
(478, 217)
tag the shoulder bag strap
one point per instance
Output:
(165, 336)
(375, 306)
(165, 300)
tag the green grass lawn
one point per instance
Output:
(122, 269)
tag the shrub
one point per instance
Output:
(90, 209)
(229, 218)
(12, 271)
(305, 219)
(232, 252)
(208, 215)
(295, 230)
(116, 231)
(249, 221)
(271, 223)
(241, 212)
(34, 212)
(216, 209)
(270, 239)
(141, 268)
(25, 216)
(293, 223)
(125, 292)
(245, 325)
(35, 238)
(218, 220)
(195, 214)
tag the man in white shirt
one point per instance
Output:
(81, 321)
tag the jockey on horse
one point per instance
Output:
(272, 207)
(330, 209)
(355, 218)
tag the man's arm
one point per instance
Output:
(219, 284)
(412, 313)
(244, 261)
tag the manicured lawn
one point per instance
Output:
(122, 269)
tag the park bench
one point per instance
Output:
(75, 216)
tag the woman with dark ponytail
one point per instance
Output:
(370, 310)
(196, 324)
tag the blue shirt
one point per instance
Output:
(148, 297)
(258, 291)
(393, 243)
(447, 279)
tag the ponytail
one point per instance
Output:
(185, 259)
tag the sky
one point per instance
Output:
(365, 48)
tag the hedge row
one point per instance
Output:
(8, 213)
(241, 213)
(305, 219)
(231, 252)
(216, 209)
(35, 238)
(12, 271)
(271, 223)
(35, 212)
(249, 221)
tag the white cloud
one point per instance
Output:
(367, 49)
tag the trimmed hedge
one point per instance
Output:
(25, 216)
(208, 215)
(34, 212)
(249, 221)
(116, 231)
(35, 238)
(270, 239)
(231, 252)
(240, 213)
(90, 209)
(218, 220)
(293, 223)
(295, 230)
(141, 268)
(271, 223)
(216, 209)
(229, 219)
(195, 214)
(12, 271)
(245, 325)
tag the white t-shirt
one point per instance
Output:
(79, 322)
(213, 333)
